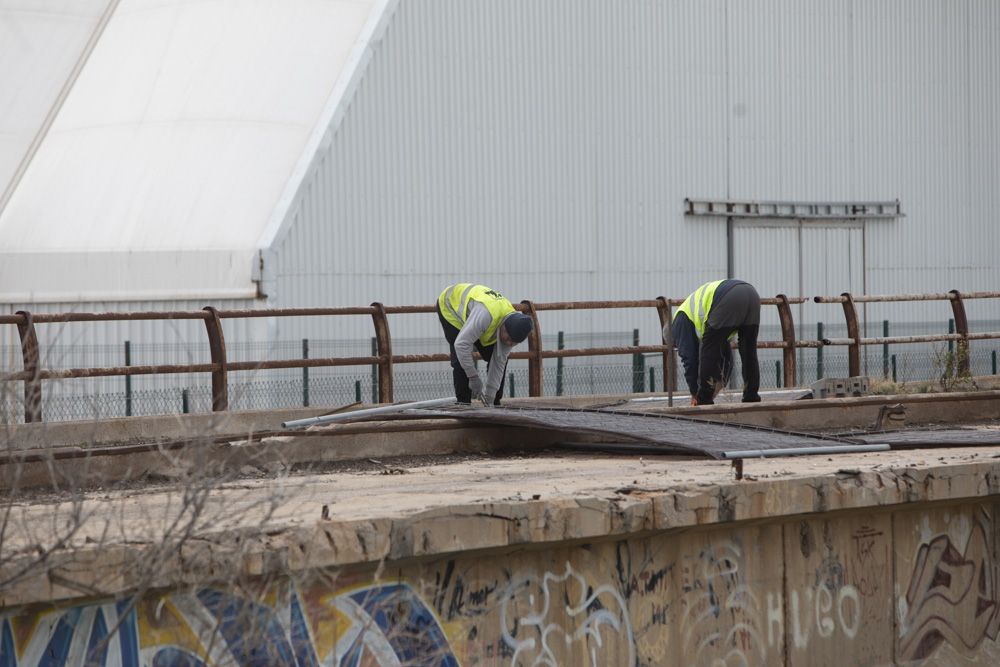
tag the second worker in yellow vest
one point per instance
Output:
(701, 331)
(477, 317)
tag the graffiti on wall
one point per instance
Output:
(384, 625)
(544, 618)
(952, 596)
(716, 599)
(715, 587)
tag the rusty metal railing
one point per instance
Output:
(33, 375)
(962, 335)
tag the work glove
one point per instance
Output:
(476, 385)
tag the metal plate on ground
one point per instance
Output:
(674, 434)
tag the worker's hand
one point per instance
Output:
(694, 401)
(476, 385)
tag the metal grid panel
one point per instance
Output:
(675, 434)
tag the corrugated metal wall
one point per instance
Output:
(546, 149)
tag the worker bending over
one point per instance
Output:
(474, 316)
(702, 328)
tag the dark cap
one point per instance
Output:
(518, 326)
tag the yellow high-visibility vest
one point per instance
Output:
(454, 305)
(697, 305)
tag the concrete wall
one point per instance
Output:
(896, 585)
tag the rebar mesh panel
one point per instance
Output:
(674, 434)
(952, 437)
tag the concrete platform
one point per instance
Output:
(500, 551)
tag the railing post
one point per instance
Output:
(962, 328)
(885, 349)
(669, 358)
(535, 350)
(788, 336)
(305, 374)
(560, 344)
(384, 342)
(638, 366)
(217, 347)
(374, 352)
(29, 356)
(128, 380)
(819, 351)
(854, 333)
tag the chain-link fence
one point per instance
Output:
(107, 397)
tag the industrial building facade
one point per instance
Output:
(295, 154)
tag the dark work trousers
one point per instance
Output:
(463, 394)
(737, 311)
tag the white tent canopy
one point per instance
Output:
(148, 143)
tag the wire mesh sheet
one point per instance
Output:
(673, 433)
(936, 437)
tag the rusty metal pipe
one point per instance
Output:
(886, 298)
(48, 318)
(32, 368)
(295, 312)
(110, 371)
(929, 338)
(402, 310)
(597, 305)
(788, 338)
(33, 375)
(302, 363)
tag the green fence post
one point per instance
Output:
(819, 351)
(374, 372)
(185, 401)
(894, 368)
(777, 374)
(511, 379)
(560, 344)
(885, 349)
(951, 330)
(638, 363)
(357, 391)
(994, 355)
(305, 373)
(128, 380)
(652, 378)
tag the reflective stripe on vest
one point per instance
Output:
(454, 305)
(698, 304)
